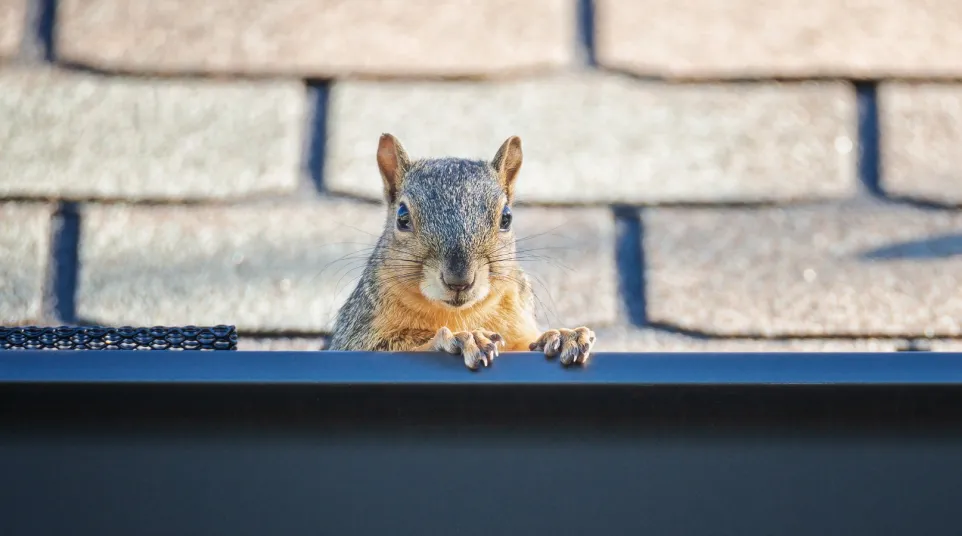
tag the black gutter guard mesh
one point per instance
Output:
(119, 338)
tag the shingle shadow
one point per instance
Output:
(586, 30)
(65, 263)
(630, 259)
(37, 43)
(317, 133)
(938, 247)
(869, 139)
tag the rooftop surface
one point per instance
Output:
(708, 176)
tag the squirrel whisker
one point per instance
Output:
(554, 262)
(529, 237)
(534, 296)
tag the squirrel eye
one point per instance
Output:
(506, 218)
(403, 218)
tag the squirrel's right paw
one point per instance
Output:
(573, 345)
(478, 347)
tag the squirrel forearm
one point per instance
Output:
(409, 340)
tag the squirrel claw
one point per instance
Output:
(478, 347)
(573, 346)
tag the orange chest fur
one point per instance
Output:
(500, 314)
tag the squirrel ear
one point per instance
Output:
(507, 162)
(393, 163)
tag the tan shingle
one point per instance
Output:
(13, 18)
(783, 38)
(608, 138)
(263, 268)
(24, 253)
(943, 345)
(279, 344)
(84, 136)
(569, 255)
(630, 339)
(858, 270)
(920, 139)
(318, 38)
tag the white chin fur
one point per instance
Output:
(433, 289)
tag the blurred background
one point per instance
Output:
(701, 175)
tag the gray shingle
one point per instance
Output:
(13, 18)
(921, 135)
(945, 345)
(318, 38)
(263, 268)
(569, 255)
(272, 268)
(279, 344)
(73, 135)
(608, 138)
(856, 270)
(630, 339)
(25, 246)
(781, 38)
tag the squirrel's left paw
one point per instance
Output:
(573, 345)
(478, 347)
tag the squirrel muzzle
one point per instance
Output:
(459, 278)
(458, 274)
(456, 280)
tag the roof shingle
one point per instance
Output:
(318, 38)
(25, 245)
(569, 256)
(264, 268)
(702, 39)
(921, 137)
(13, 18)
(855, 270)
(610, 139)
(81, 136)
(632, 339)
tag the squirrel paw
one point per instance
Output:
(573, 345)
(478, 347)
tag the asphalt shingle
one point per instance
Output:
(25, 245)
(945, 345)
(857, 270)
(781, 38)
(318, 38)
(82, 136)
(921, 135)
(13, 18)
(569, 256)
(627, 141)
(263, 268)
(631, 339)
(279, 344)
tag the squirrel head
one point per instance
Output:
(449, 235)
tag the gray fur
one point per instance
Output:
(353, 322)
(454, 203)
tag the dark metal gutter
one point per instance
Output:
(255, 443)
(519, 369)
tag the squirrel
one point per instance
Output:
(443, 276)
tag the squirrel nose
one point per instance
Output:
(458, 288)
(457, 284)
